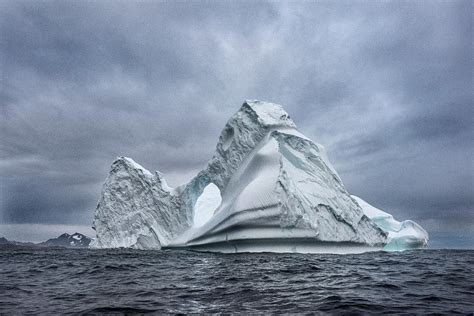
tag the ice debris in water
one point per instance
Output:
(267, 188)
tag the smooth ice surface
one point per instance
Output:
(401, 235)
(267, 188)
(206, 204)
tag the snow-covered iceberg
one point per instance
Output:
(267, 188)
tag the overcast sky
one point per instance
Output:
(385, 86)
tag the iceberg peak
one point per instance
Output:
(269, 114)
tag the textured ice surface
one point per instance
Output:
(267, 188)
(137, 209)
(401, 235)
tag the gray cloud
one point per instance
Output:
(386, 87)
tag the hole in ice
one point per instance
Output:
(227, 137)
(206, 204)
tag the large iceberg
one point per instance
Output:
(267, 188)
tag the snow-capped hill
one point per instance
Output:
(75, 240)
(268, 188)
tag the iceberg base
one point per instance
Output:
(283, 246)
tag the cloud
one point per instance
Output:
(386, 87)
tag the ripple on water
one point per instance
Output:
(130, 281)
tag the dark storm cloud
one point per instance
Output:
(386, 87)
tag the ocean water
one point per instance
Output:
(52, 281)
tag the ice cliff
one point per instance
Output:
(267, 188)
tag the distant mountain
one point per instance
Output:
(75, 240)
(5, 243)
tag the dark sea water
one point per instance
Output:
(55, 281)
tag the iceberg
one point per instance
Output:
(267, 188)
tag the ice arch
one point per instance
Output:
(206, 204)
